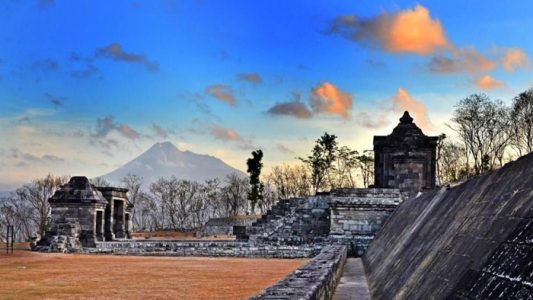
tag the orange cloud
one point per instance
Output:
(487, 83)
(327, 98)
(222, 93)
(402, 101)
(515, 58)
(225, 134)
(407, 31)
(461, 60)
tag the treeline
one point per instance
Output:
(168, 203)
(171, 203)
(489, 134)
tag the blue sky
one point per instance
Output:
(86, 86)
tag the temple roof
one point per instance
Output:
(78, 190)
(406, 132)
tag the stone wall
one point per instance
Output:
(315, 280)
(468, 241)
(358, 214)
(291, 222)
(202, 248)
(508, 273)
(224, 226)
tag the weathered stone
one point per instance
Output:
(472, 241)
(81, 213)
(405, 159)
(315, 280)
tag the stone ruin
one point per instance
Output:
(405, 164)
(405, 159)
(82, 214)
(471, 241)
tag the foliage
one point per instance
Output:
(254, 169)
(321, 159)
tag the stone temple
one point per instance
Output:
(416, 240)
(83, 214)
(405, 159)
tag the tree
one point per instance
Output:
(254, 169)
(452, 162)
(18, 213)
(346, 164)
(133, 183)
(522, 120)
(483, 126)
(36, 194)
(290, 181)
(366, 167)
(321, 160)
(176, 198)
(234, 194)
(99, 182)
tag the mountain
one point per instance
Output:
(165, 160)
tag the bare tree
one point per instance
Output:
(133, 183)
(19, 214)
(483, 127)
(37, 194)
(452, 162)
(366, 167)
(290, 181)
(346, 166)
(522, 123)
(99, 182)
(234, 194)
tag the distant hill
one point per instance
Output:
(165, 160)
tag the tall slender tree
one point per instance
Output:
(254, 169)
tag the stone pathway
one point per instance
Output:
(352, 284)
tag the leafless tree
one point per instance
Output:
(37, 194)
(483, 127)
(234, 194)
(290, 181)
(19, 214)
(522, 123)
(452, 162)
(346, 167)
(99, 182)
(133, 183)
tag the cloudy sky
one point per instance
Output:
(86, 86)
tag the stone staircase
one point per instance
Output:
(293, 221)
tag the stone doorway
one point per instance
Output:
(118, 218)
(99, 225)
(128, 225)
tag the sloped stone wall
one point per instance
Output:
(508, 274)
(434, 243)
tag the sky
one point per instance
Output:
(86, 86)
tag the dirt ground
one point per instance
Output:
(30, 275)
